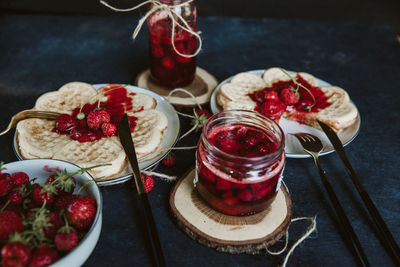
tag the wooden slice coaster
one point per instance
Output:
(201, 87)
(232, 234)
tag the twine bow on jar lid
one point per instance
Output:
(172, 14)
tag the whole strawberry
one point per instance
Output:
(96, 118)
(15, 254)
(55, 223)
(108, 128)
(148, 182)
(43, 256)
(66, 238)
(10, 222)
(272, 109)
(289, 96)
(62, 202)
(19, 178)
(5, 185)
(81, 212)
(43, 193)
(66, 241)
(15, 198)
(169, 160)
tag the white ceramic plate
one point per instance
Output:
(293, 148)
(169, 139)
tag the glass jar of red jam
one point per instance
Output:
(239, 162)
(167, 67)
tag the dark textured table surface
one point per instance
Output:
(40, 53)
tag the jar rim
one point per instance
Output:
(235, 115)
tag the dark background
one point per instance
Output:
(368, 11)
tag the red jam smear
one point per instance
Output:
(242, 141)
(228, 193)
(275, 108)
(167, 67)
(117, 104)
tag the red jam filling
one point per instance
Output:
(117, 104)
(242, 141)
(269, 104)
(222, 188)
(168, 67)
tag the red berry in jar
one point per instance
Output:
(239, 163)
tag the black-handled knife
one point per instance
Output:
(125, 136)
(383, 231)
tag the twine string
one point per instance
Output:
(183, 114)
(310, 229)
(171, 13)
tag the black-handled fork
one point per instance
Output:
(313, 146)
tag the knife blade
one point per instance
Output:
(383, 231)
(125, 137)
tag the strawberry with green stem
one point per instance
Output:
(16, 252)
(66, 238)
(10, 222)
(64, 181)
(81, 115)
(81, 212)
(294, 80)
(169, 160)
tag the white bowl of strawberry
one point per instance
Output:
(50, 213)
